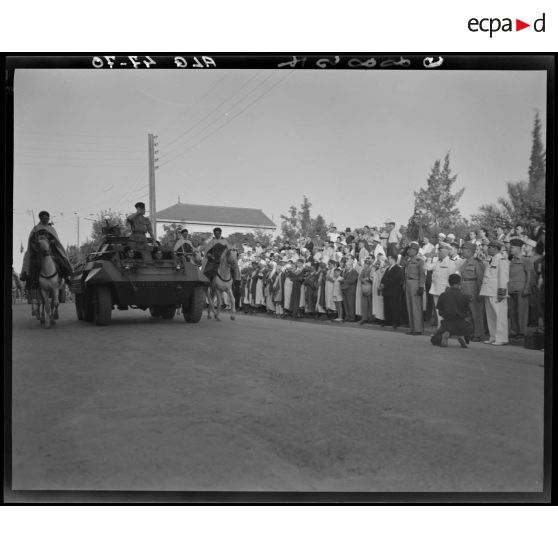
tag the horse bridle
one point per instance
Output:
(46, 253)
(229, 250)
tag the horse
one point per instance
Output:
(50, 284)
(222, 282)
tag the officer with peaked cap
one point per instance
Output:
(472, 272)
(494, 289)
(140, 225)
(415, 276)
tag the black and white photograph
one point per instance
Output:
(285, 277)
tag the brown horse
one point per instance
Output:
(222, 282)
(50, 283)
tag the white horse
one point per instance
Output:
(50, 284)
(222, 282)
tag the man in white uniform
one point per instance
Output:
(443, 267)
(494, 289)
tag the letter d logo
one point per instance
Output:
(538, 26)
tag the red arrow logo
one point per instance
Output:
(519, 25)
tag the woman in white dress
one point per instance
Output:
(287, 287)
(377, 299)
(330, 303)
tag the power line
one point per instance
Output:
(199, 132)
(72, 150)
(95, 164)
(211, 112)
(228, 121)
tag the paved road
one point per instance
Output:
(265, 404)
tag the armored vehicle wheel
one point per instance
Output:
(155, 312)
(193, 311)
(102, 305)
(79, 307)
(86, 307)
(167, 312)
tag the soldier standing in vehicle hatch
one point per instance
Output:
(140, 224)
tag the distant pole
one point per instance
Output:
(151, 143)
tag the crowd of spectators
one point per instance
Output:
(341, 276)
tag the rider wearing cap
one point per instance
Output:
(213, 250)
(140, 225)
(31, 264)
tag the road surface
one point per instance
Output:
(261, 404)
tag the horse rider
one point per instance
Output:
(31, 263)
(183, 247)
(140, 225)
(213, 251)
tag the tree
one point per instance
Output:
(289, 224)
(299, 223)
(304, 219)
(537, 165)
(525, 203)
(435, 203)
(170, 235)
(318, 227)
(114, 219)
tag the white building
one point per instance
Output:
(204, 218)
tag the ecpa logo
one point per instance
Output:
(494, 24)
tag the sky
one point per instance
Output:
(357, 143)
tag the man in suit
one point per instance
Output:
(391, 291)
(348, 288)
(414, 288)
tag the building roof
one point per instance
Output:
(215, 215)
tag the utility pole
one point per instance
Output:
(152, 152)
(77, 217)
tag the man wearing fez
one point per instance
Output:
(140, 225)
(213, 251)
(415, 276)
(472, 272)
(494, 289)
(519, 288)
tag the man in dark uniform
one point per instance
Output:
(414, 288)
(140, 225)
(453, 307)
(519, 288)
(472, 272)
